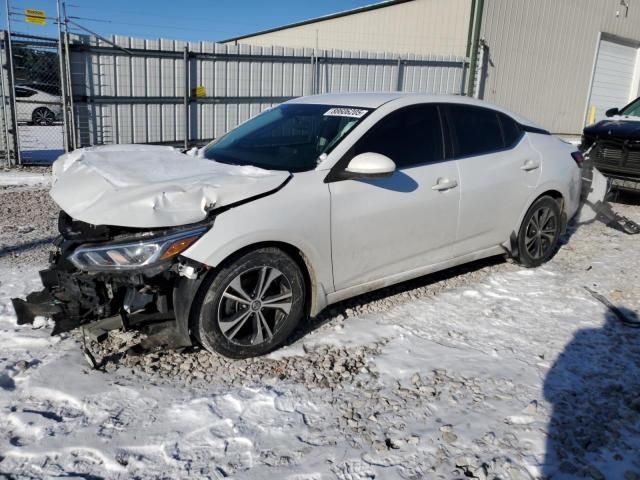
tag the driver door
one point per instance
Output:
(381, 227)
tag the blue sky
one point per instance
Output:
(183, 20)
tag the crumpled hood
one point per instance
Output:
(148, 186)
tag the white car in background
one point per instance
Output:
(38, 104)
(309, 203)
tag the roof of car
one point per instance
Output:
(377, 99)
(363, 100)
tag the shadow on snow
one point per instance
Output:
(594, 388)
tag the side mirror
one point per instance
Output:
(611, 112)
(370, 164)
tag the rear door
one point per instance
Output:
(498, 170)
(381, 227)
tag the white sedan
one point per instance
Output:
(309, 203)
(38, 104)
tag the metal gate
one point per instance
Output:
(36, 82)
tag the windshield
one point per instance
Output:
(288, 137)
(633, 109)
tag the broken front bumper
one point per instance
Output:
(155, 298)
(66, 299)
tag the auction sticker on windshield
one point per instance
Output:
(346, 112)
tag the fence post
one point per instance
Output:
(73, 140)
(313, 73)
(316, 73)
(187, 94)
(12, 98)
(478, 84)
(399, 75)
(5, 105)
(463, 76)
(63, 83)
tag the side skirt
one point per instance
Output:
(411, 274)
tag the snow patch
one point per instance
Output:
(19, 178)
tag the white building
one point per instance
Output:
(559, 62)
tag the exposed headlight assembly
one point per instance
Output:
(134, 255)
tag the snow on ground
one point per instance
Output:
(24, 178)
(516, 374)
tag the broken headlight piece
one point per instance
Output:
(134, 255)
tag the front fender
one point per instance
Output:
(298, 216)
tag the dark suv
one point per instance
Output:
(616, 145)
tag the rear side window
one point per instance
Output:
(511, 130)
(46, 88)
(476, 131)
(409, 136)
(24, 92)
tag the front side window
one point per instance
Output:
(633, 109)
(409, 136)
(289, 137)
(476, 131)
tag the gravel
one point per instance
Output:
(28, 224)
(371, 415)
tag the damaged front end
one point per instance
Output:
(103, 277)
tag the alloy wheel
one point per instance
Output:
(43, 116)
(254, 305)
(541, 232)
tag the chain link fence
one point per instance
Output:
(38, 98)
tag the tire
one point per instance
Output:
(251, 305)
(43, 116)
(538, 244)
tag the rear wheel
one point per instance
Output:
(539, 232)
(252, 305)
(43, 116)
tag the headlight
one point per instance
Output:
(134, 255)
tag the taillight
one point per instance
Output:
(578, 157)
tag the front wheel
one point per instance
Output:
(539, 233)
(252, 305)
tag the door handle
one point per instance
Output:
(444, 184)
(530, 165)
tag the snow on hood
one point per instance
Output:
(148, 186)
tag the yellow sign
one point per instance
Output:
(36, 17)
(199, 91)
